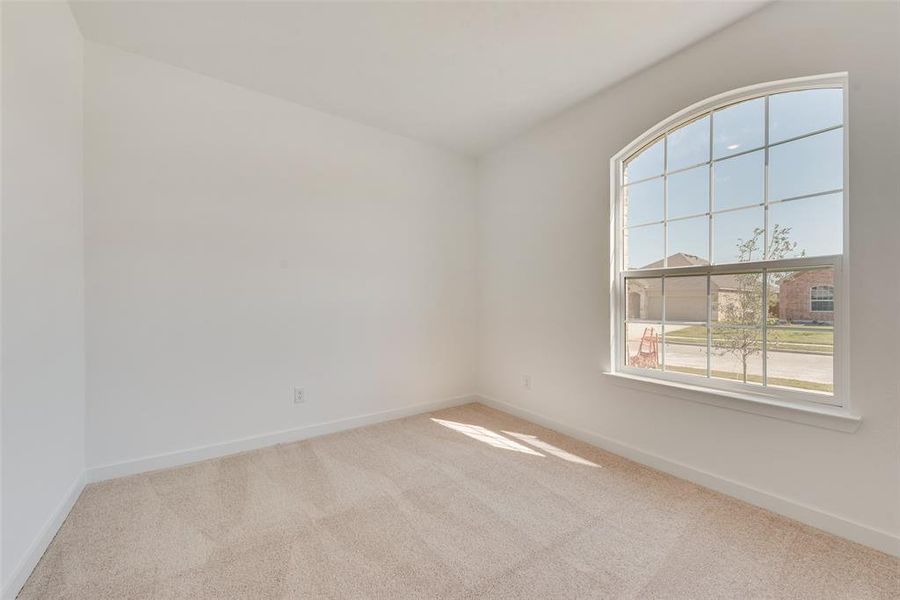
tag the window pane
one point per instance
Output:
(807, 227)
(822, 305)
(686, 299)
(644, 247)
(736, 299)
(738, 235)
(801, 358)
(688, 242)
(740, 181)
(739, 127)
(643, 298)
(685, 349)
(642, 345)
(807, 166)
(821, 299)
(792, 294)
(800, 342)
(644, 202)
(648, 163)
(796, 113)
(688, 145)
(736, 353)
(688, 192)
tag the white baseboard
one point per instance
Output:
(191, 455)
(880, 540)
(810, 515)
(34, 553)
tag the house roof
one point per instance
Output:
(682, 259)
(679, 259)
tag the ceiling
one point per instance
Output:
(463, 75)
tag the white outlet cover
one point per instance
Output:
(299, 396)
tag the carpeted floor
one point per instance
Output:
(464, 503)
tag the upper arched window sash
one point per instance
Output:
(735, 169)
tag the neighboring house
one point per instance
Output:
(685, 297)
(804, 297)
(807, 296)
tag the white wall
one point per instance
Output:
(545, 283)
(42, 277)
(238, 245)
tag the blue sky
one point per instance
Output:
(810, 165)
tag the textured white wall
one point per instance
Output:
(544, 240)
(42, 272)
(238, 245)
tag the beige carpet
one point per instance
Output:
(464, 503)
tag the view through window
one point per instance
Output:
(729, 245)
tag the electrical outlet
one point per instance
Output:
(526, 382)
(299, 396)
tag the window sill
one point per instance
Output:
(827, 417)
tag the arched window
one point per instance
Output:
(719, 215)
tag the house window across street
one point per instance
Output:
(821, 298)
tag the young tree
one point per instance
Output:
(741, 311)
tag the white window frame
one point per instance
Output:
(811, 299)
(839, 263)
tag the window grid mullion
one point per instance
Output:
(770, 202)
(663, 326)
(709, 252)
(806, 196)
(626, 184)
(665, 203)
(765, 328)
(766, 184)
(712, 160)
(765, 274)
(709, 199)
(804, 135)
(708, 326)
(785, 264)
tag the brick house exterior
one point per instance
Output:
(795, 296)
(791, 302)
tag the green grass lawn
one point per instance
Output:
(779, 381)
(810, 340)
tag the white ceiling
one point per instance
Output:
(463, 75)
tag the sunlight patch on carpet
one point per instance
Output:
(482, 434)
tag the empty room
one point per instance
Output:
(449, 300)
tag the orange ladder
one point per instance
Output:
(647, 356)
